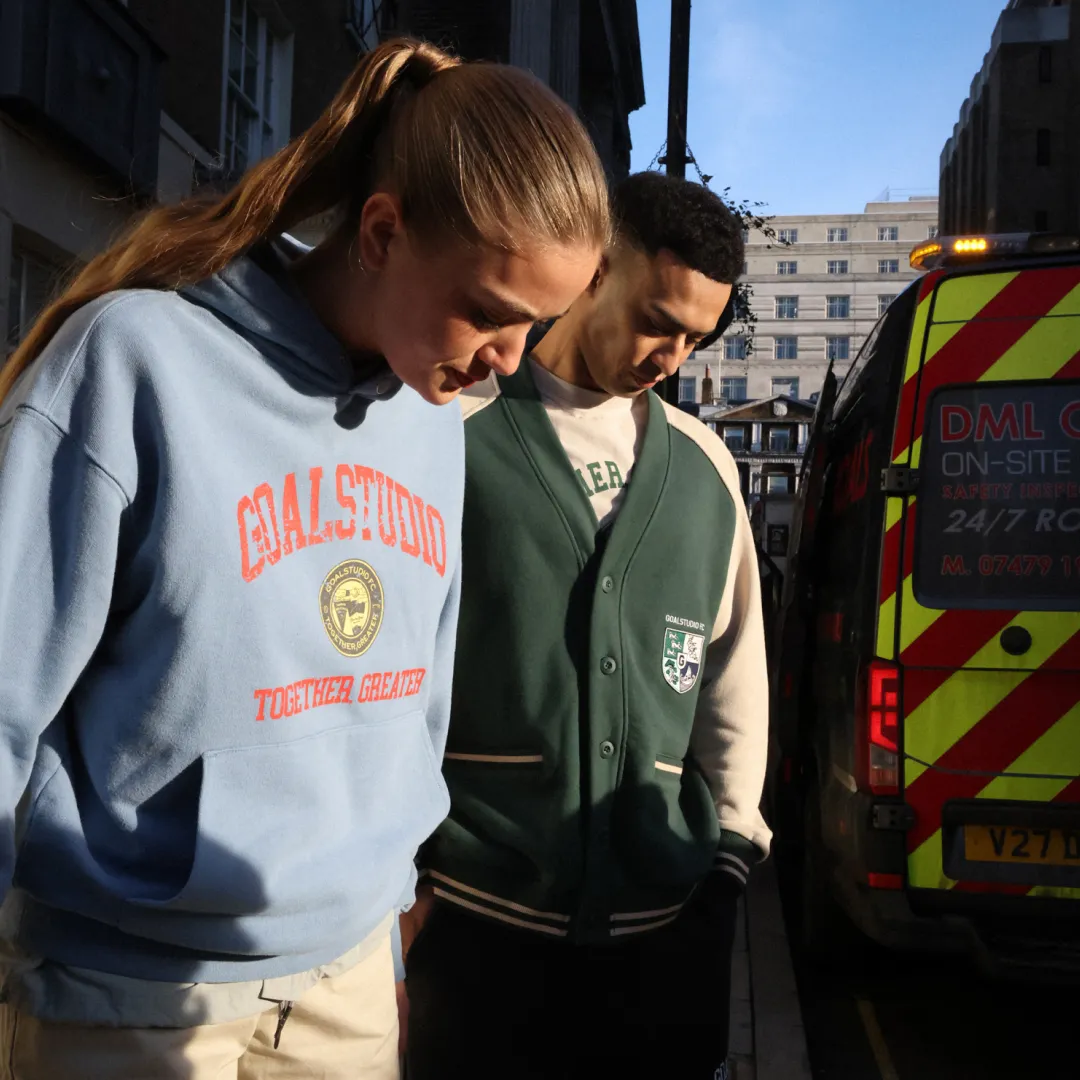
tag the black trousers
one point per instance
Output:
(488, 1000)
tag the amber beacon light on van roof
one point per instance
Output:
(958, 250)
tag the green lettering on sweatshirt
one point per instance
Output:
(596, 474)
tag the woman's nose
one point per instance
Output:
(504, 353)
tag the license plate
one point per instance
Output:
(1010, 844)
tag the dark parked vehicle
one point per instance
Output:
(927, 697)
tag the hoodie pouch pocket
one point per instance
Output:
(297, 841)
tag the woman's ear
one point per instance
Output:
(381, 222)
(599, 277)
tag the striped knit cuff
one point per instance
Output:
(735, 855)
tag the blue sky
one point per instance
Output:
(816, 106)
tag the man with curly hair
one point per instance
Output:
(608, 729)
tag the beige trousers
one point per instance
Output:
(343, 1028)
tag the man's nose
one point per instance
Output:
(670, 358)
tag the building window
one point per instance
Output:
(254, 127)
(735, 438)
(745, 268)
(733, 387)
(787, 307)
(788, 236)
(836, 236)
(837, 348)
(780, 439)
(787, 268)
(1046, 64)
(778, 484)
(883, 302)
(746, 236)
(735, 347)
(837, 307)
(888, 233)
(786, 348)
(30, 286)
(1042, 146)
(1042, 221)
(888, 266)
(838, 266)
(688, 388)
(787, 386)
(364, 22)
(931, 232)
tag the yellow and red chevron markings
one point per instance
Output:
(964, 345)
(971, 711)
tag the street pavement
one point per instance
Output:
(882, 1016)
(873, 1014)
(767, 1040)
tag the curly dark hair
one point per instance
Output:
(653, 211)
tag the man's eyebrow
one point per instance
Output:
(675, 325)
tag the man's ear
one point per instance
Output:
(727, 317)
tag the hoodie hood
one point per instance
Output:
(255, 294)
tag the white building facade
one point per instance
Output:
(817, 296)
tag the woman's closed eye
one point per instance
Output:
(483, 321)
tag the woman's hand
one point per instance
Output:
(411, 923)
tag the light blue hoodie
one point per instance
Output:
(228, 596)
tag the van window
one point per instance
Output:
(882, 354)
(998, 508)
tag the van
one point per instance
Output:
(927, 684)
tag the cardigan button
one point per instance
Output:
(608, 665)
(607, 748)
(607, 583)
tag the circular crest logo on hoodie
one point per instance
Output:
(351, 602)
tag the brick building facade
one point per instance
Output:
(767, 439)
(107, 106)
(1012, 163)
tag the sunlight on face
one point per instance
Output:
(646, 316)
(446, 320)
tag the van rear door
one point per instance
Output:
(981, 603)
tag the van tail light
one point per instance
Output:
(884, 881)
(880, 722)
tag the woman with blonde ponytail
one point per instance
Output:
(230, 508)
